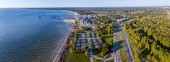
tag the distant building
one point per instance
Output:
(70, 21)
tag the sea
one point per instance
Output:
(26, 35)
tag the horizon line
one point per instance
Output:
(87, 7)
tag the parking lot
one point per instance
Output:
(84, 36)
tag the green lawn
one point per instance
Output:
(95, 60)
(97, 52)
(76, 57)
(109, 40)
(123, 55)
(134, 52)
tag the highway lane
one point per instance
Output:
(127, 47)
(135, 48)
(126, 44)
(116, 48)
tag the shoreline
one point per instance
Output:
(63, 47)
(73, 19)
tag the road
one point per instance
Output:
(89, 48)
(127, 47)
(91, 53)
(116, 48)
(126, 44)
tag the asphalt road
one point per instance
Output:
(89, 48)
(127, 47)
(116, 48)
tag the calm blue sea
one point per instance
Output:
(26, 38)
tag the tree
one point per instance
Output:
(104, 49)
(154, 35)
(71, 50)
(71, 42)
(109, 28)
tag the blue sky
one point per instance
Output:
(82, 3)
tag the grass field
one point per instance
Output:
(109, 39)
(123, 55)
(76, 57)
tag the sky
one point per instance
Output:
(82, 3)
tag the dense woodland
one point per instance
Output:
(149, 30)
